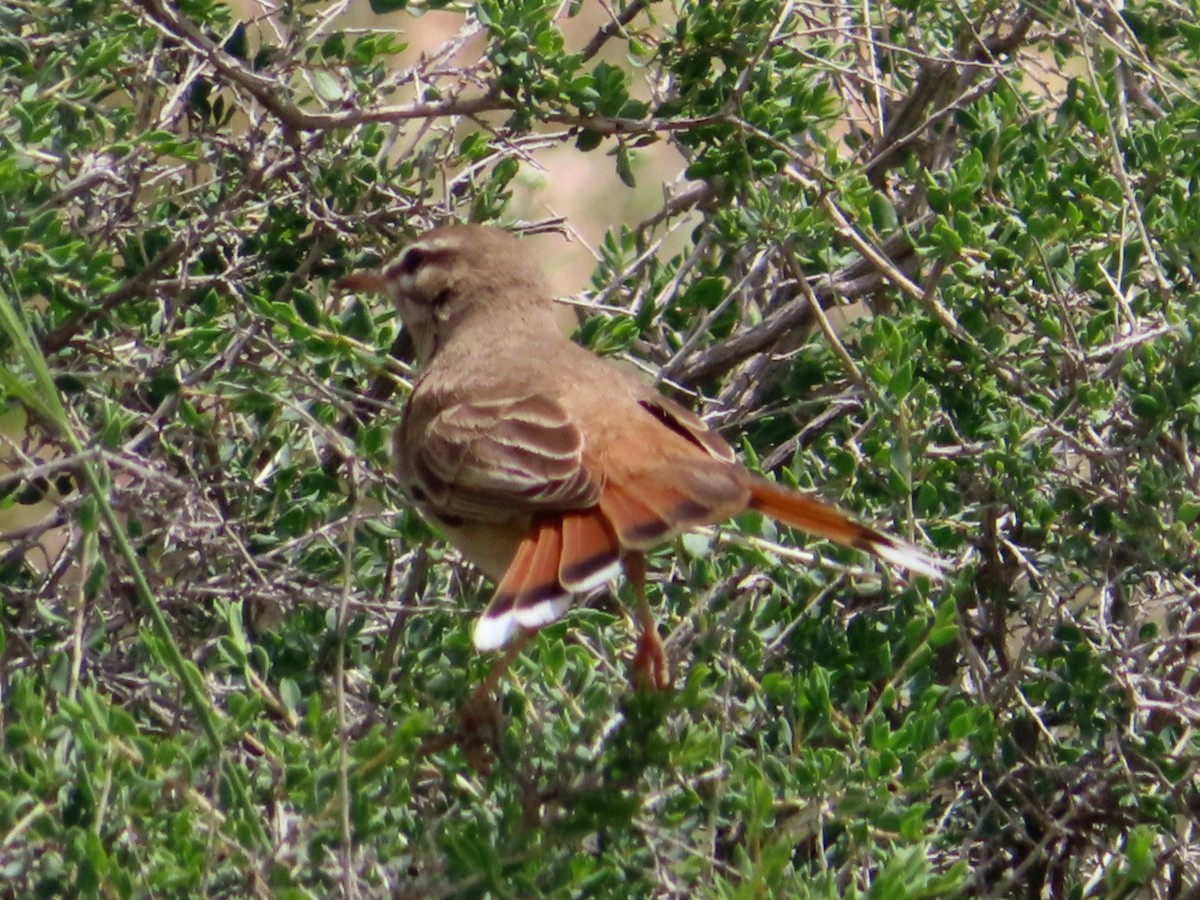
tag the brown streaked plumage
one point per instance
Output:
(546, 465)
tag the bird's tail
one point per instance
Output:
(825, 521)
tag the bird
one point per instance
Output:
(549, 467)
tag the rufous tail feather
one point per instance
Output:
(560, 556)
(824, 521)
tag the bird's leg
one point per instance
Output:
(500, 666)
(479, 718)
(650, 662)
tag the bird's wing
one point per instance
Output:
(686, 424)
(665, 472)
(500, 458)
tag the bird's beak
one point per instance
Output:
(362, 282)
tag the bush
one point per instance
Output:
(940, 265)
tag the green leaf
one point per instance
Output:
(883, 213)
(625, 166)
(1139, 852)
(901, 381)
(1147, 406)
(587, 140)
(238, 44)
(306, 305)
(89, 519)
(327, 87)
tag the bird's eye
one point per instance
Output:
(413, 260)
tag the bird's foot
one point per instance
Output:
(650, 671)
(478, 735)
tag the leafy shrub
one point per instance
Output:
(234, 660)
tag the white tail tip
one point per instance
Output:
(909, 557)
